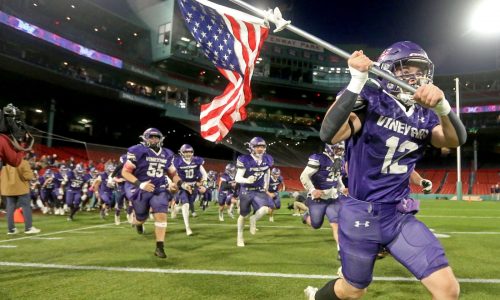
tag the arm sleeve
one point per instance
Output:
(305, 178)
(118, 170)
(203, 173)
(337, 115)
(267, 177)
(239, 176)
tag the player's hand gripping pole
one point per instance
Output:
(275, 17)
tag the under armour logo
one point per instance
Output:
(421, 119)
(358, 223)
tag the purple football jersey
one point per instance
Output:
(251, 167)
(327, 174)
(189, 172)
(383, 154)
(230, 180)
(274, 184)
(75, 182)
(150, 165)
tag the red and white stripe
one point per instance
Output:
(218, 117)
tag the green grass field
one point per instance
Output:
(94, 259)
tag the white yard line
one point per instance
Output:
(212, 272)
(55, 233)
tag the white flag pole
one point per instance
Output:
(281, 24)
(459, 154)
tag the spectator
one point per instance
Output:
(14, 188)
(299, 207)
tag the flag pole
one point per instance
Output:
(459, 154)
(281, 24)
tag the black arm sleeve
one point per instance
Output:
(118, 170)
(337, 115)
(224, 186)
(459, 127)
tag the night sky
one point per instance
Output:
(440, 26)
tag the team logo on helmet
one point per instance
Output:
(275, 172)
(402, 54)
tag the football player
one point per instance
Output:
(389, 130)
(253, 172)
(276, 185)
(191, 171)
(145, 169)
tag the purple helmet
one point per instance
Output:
(186, 151)
(400, 54)
(336, 149)
(79, 170)
(63, 170)
(48, 173)
(230, 169)
(276, 172)
(150, 133)
(110, 168)
(256, 141)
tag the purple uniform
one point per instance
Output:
(153, 166)
(381, 158)
(254, 194)
(226, 190)
(274, 185)
(190, 173)
(326, 178)
(74, 188)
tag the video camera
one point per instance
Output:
(12, 124)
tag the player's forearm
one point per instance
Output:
(415, 178)
(335, 121)
(305, 178)
(453, 130)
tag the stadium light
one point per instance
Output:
(485, 18)
(37, 110)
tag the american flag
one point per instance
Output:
(232, 41)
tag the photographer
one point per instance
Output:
(14, 138)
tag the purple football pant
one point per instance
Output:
(319, 209)
(143, 201)
(255, 199)
(225, 198)
(184, 197)
(106, 198)
(73, 198)
(364, 228)
(277, 201)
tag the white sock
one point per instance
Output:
(241, 224)
(231, 208)
(185, 214)
(264, 210)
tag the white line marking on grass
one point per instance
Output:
(8, 246)
(46, 238)
(458, 217)
(56, 232)
(211, 272)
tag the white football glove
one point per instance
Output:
(251, 179)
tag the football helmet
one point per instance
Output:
(48, 173)
(148, 135)
(254, 143)
(397, 56)
(79, 171)
(335, 150)
(63, 170)
(275, 172)
(186, 152)
(230, 169)
(110, 168)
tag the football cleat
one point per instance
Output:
(160, 252)
(139, 228)
(310, 292)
